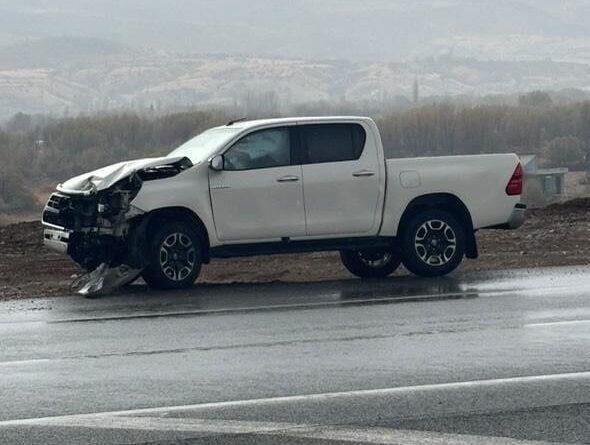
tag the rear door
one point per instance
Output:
(342, 181)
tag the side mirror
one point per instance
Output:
(216, 163)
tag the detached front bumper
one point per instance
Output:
(56, 239)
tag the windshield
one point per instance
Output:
(201, 147)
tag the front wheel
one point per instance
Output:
(433, 243)
(174, 257)
(370, 263)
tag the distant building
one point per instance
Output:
(542, 186)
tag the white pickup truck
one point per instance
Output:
(282, 186)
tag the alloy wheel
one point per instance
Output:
(435, 242)
(177, 256)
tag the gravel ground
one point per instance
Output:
(558, 235)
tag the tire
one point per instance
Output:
(174, 257)
(370, 263)
(433, 243)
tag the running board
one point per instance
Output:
(288, 246)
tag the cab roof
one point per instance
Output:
(248, 124)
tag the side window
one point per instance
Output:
(332, 142)
(261, 149)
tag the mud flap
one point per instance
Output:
(103, 280)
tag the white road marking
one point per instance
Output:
(213, 426)
(34, 361)
(384, 436)
(340, 433)
(556, 323)
(321, 397)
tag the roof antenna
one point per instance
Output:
(230, 123)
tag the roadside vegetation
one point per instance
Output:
(37, 152)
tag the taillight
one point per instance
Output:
(514, 186)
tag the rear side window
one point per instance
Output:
(332, 142)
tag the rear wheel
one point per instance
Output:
(370, 263)
(175, 257)
(433, 243)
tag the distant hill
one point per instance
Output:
(70, 75)
(67, 56)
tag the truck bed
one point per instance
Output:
(479, 181)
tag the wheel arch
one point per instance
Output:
(449, 203)
(149, 223)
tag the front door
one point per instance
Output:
(259, 194)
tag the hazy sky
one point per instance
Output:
(348, 29)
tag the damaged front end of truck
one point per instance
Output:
(92, 219)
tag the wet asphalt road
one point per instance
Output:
(498, 358)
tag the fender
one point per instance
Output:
(141, 231)
(450, 203)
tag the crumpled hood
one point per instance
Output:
(103, 178)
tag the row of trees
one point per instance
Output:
(36, 153)
(447, 129)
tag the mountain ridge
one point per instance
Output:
(119, 77)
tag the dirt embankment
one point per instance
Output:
(557, 235)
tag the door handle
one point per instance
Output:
(288, 179)
(363, 173)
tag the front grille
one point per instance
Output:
(56, 210)
(70, 212)
(58, 201)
